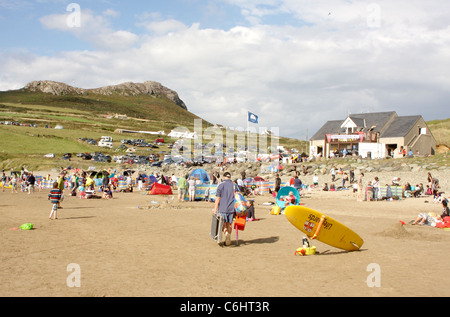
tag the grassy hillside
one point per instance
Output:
(85, 116)
(441, 131)
(155, 109)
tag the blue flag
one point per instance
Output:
(253, 118)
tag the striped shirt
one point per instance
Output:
(55, 195)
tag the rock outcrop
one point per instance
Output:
(148, 88)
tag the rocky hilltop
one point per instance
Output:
(148, 88)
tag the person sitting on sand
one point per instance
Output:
(441, 198)
(428, 219)
(290, 199)
(325, 187)
(396, 181)
(250, 210)
(107, 192)
(418, 190)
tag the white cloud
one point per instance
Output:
(94, 29)
(294, 77)
(164, 27)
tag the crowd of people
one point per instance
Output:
(85, 184)
(23, 179)
(371, 190)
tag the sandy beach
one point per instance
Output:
(129, 247)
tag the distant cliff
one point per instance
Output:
(149, 88)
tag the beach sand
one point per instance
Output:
(123, 250)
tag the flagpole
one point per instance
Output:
(248, 130)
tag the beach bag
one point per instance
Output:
(445, 223)
(240, 206)
(275, 210)
(26, 226)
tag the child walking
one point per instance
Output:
(54, 196)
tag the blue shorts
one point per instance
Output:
(227, 217)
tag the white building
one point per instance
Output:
(374, 135)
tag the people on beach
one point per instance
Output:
(315, 181)
(344, 179)
(429, 219)
(360, 187)
(297, 184)
(31, 180)
(333, 173)
(107, 192)
(250, 210)
(277, 184)
(376, 187)
(54, 196)
(182, 187)
(290, 199)
(3, 180)
(224, 205)
(60, 183)
(191, 188)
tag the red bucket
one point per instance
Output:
(239, 223)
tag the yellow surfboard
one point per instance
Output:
(325, 229)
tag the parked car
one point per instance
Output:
(157, 164)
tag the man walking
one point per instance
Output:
(225, 205)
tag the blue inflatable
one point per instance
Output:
(283, 192)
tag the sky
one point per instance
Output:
(294, 63)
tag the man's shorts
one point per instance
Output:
(227, 217)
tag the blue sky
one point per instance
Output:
(295, 63)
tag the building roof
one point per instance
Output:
(328, 127)
(377, 121)
(388, 124)
(400, 126)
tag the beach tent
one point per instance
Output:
(259, 179)
(284, 191)
(201, 174)
(160, 189)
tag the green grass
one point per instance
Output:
(25, 140)
(440, 130)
